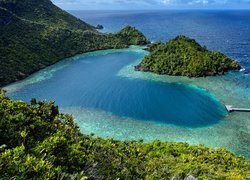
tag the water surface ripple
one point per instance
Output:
(92, 82)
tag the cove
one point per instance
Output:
(91, 81)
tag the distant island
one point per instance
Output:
(35, 34)
(183, 56)
(99, 26)
(39, 142)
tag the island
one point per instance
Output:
(183, 56)
(35, 34)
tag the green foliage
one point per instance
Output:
(17, 164)
(19, 120)
(35, 34)
(183, 56)
(39, 142)
(131, 36)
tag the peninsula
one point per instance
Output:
(183, 56)
(35, 34)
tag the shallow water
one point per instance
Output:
(112, 100)
(107, 97)
(224, 30)
(92, 82)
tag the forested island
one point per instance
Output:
(38, 141)
(183, 56)
(35, 34)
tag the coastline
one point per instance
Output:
(236, 124)
(227, 89)
(58, 61)
(79, 101)
(49, 70)
(205, 83)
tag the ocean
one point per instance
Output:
(107, 97)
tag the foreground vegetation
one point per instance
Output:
(35, 34)
(183, 56)
(37, 141)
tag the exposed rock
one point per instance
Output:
(99, 26)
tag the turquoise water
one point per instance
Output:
(92, 82)
(107, 97)
(224, 30)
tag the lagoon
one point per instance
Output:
(107, 97)
(112, 100)
(93, 82)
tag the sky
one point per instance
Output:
(151, 4)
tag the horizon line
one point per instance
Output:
(186, 9)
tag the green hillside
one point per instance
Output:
(43, 11)
(39, 142)
(183, 56)
(35, 34)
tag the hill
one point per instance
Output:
(183, 56)
(38, 141)
(44, 12)
(35, 34)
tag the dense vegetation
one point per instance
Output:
(183, 56)
(37, 141)
(35, 34)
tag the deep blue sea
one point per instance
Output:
(107, 97)
(227, 31)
